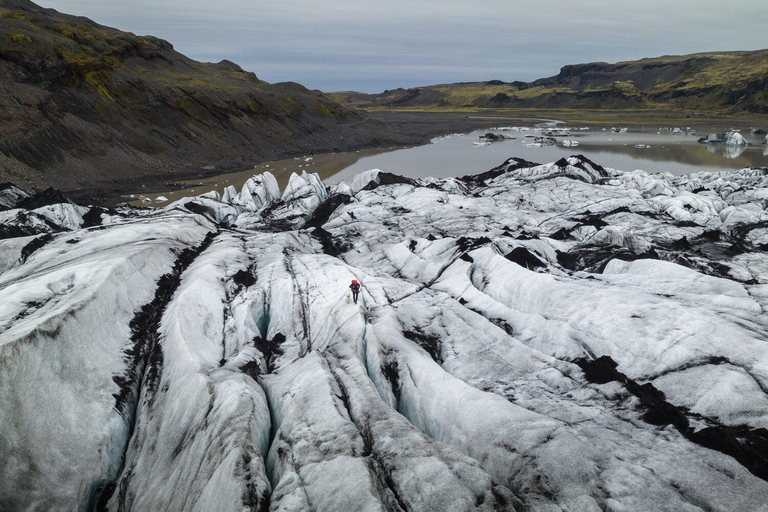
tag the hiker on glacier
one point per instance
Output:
(355, 287)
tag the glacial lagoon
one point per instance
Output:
(677, 154)
(458, 155)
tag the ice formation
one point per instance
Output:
(727, 139)
(538, 337)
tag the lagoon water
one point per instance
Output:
(457, 156)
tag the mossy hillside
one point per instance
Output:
(19, 38)
(77, 53)
(727, 82)
(10, 14)
(327, 108)
(90, 97)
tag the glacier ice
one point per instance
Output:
(537, 337)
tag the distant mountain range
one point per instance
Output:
(723, 82)
(82, 104)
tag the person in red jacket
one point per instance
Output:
(355, 287)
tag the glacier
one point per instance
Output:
(556, 337)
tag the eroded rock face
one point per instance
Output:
(538, 337)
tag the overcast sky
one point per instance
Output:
(375, 45)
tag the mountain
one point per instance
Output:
(534, 338)
(83, 104)
(724, 82)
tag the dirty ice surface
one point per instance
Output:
(537, 337)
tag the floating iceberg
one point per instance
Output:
(732, 138)
(542, 141)
(735, 139)
(556, 132)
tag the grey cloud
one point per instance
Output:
(371, 46)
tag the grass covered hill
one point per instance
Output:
(725, 82)
(83, 104)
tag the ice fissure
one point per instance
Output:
(747, 445)
(226, 409)
(463, 379)
(380, 470)
(145, 358)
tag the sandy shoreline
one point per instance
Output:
(413, 128)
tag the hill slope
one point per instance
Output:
(82, 104)
(726, 82)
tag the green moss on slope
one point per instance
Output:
(725, 83)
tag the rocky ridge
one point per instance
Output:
(714, 82)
